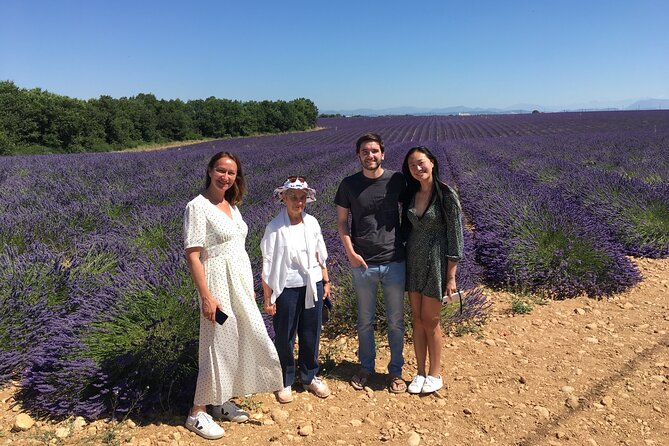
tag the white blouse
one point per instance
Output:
(282, 259)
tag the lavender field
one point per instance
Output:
(97, 310)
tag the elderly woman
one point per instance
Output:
(236, 355)
(295, 283)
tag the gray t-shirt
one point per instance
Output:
(375, 215)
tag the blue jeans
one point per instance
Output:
(292, 318)
(366, 282)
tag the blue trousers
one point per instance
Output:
(366, 282)
(292, 318)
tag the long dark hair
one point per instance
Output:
(235, 194)
(413, 185)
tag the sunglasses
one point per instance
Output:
(459, 298)
(292, 179)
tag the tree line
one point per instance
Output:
(37, 121)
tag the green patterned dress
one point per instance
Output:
(431, 244)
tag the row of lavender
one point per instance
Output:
(532, 238)
(97, 310)
(629, 195)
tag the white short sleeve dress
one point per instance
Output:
(237, 358)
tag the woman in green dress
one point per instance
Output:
(434, 246)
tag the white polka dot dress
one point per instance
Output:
(237, 358)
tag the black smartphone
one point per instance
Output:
(220, 316)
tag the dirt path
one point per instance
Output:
(576, 372)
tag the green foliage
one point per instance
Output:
(250, 405)
(96, 263)
(6, 145)
(520, 305)
(118, 212)
(150, 238)
(154, 331)
(577, 257)
(549, 174)
(466, 328)
(651, 223)
(36, 121)
(344, 314)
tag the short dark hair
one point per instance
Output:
(367, 137)
(235, 194)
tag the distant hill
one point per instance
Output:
(649, 104)
(630, 104)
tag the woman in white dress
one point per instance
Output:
(236, 355)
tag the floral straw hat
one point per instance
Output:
(295, 183)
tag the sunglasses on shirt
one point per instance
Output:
(292, 179)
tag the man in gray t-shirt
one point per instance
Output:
(375, 250)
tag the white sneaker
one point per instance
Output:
(230, 412)
(318, 388)
(432, 384)
(284, 395)
(205, 426)
(416, 385)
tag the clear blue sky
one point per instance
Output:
(343, 54)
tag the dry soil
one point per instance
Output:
(574, 372)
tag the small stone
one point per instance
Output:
(522, 380)
(130, 424)
(334, 409)
(467, 411)
(306, 430)
(279, 415)
(490, 342)
(78, 424)
(561, 435)
(659, 378)
(592, 442)
(592, 340)
(370, 392)
(62, 432)
(23, 422)
(580, 311)
(607, 401)
(5, 395)
(176, 436)
(567, 389)
(572, 402)
(542, 411)
(414, 439)
(657, 409)
(591, 326)
(356, 422)
(268, 422)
